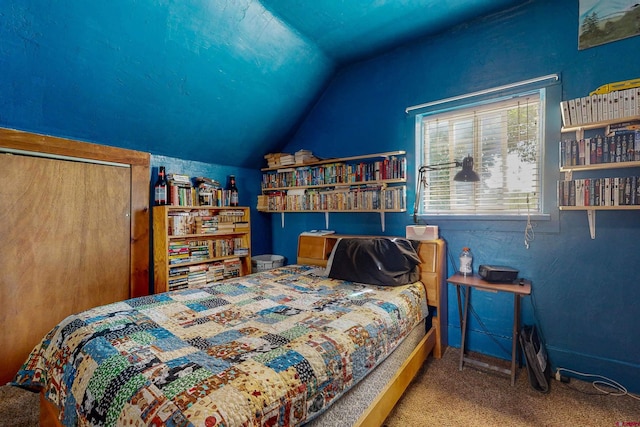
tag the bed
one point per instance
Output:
(296, 345)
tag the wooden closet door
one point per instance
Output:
(65, 231)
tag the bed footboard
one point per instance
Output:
(48, 413)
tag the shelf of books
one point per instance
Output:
(367, 183)
(303, 162)
(617, 147)
(598, 110)
(599, 193)
(196, 245)
(369, 198)
(202, 191)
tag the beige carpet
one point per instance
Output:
(441, 395)
(18, 408)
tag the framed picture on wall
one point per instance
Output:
(604, 21)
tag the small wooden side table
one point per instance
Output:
(518, 288)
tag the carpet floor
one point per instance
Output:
(441, 395)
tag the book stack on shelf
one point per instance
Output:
(304, 156)
(179, 252)
(178, 278)
(215, 272)
(339, 198)
(196, 245)
(240, 251)
(231, 216)
(225, 247)
(181, 192)
(206, 192)
(393, 168)
(197, 275)
(275, 160)
(280, 159)
(192, 276)
(206, 224)
(368, 183)
(183, 251)
(618, 191)
(209, 191)
(199, 250)
(241, 225)
(621, 144)
(394, 198)
(232, 268)
(614, 107)
(602, 107)
(263, 203)
(194, 251)
(203, 221)
(180, 223)
(226, 227)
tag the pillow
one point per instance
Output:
(376, 261)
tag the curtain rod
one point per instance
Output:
(554, 77)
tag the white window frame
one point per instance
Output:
(443, 196)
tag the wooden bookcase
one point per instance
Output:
(569, 169)
(195, 245)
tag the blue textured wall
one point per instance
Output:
(585, 291)
(154, 74)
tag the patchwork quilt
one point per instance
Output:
(271, 349)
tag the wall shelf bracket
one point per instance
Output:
(591, 216)
(326, 220)
(282, 219)
(382, 220)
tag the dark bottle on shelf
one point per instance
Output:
(161, 195)
(233, 190)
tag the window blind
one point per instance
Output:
(503, 137)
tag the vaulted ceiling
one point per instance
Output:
(219, 81)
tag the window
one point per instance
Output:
(505, 139)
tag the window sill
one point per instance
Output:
(486, 217)
(547, 223)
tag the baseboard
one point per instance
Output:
(625, 373)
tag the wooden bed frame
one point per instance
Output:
(315, 250)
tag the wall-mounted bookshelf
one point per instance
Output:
(366, 183)
(618, 148)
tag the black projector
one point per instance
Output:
(497, 273)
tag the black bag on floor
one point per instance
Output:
(537, 364)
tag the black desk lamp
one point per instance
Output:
(467, 174)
